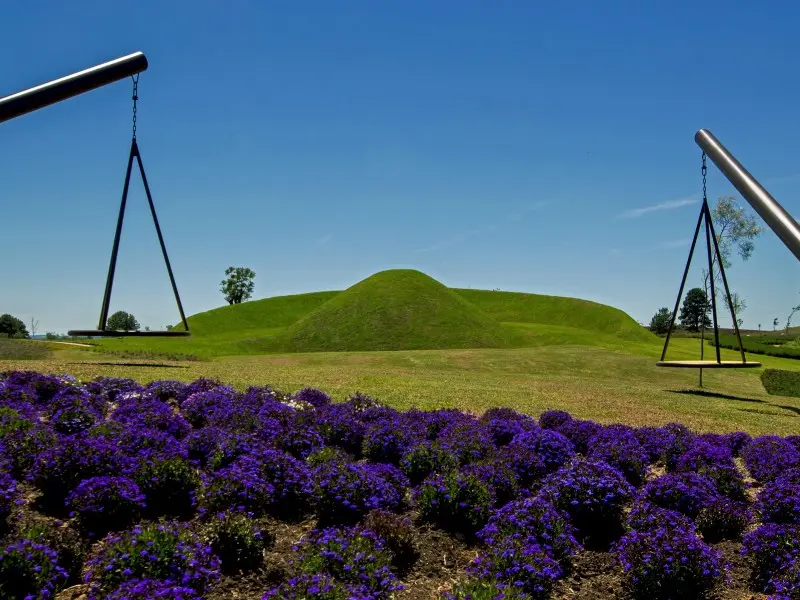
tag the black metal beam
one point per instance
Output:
(66, 87)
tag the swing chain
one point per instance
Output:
(704, 171)
(135, 98)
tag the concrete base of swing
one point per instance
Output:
(708, 364)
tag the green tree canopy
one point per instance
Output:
(661, 320)
(12, 326)
(238, 284)
(122, 321)
(695, 309)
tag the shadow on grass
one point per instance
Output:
(709, 394)
(130, 364)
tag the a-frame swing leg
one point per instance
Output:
(115, 249)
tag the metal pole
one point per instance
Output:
(66, 87)
(774, 215)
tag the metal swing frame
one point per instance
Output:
(61, 89)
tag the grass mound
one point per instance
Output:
(778, 382)
(396, 310)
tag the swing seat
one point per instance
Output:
(114, 333)
(708, 364)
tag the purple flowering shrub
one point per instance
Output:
(580, 433)
(716, 463)
(320, 586)
(346, 491)
(498, 477)
(238, 540)
(169, 485)
(61, 467)
(467, 442)
(554, 419)
(723, 519)
(313, 396)
(594, 496)
(386, 441)
(533, 518)
(29, 570)
(533, 454)
(299, 438)
(518, 561)
(454, 501)
(397, 534)
(480, 589)
(151, 589)
(352, 556)
(426, 458)
(147, 412)
(686, 493)
(9, 491)
(207, 408)
(166, 389)
(620, 449)
(339, 426)
(167, 550)
(23, 446)
(665, 444)
(669, 564)
(737, 440)
(768, 456)
(269, 481)
(645, 516)
(103, 504)
(771, 549)
(779, 502)
(502, 431)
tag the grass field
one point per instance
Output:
(615, 383)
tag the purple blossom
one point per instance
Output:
(104, 504)
(768, 456)
(533, 454)
(151, 589)
(313, 396)
(771, 548)
(686, 493)
(779, 502)
(619, 448)
(29, 570)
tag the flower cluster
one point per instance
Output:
(238, 540)
(619, 447)
(686, 493)
(454, 501)
(426, 458)
(9, 491)
(779, 502)
(149, 589)
(716, 463)
(167, 551)
(771, 549)
(29, 569)
(768, 456)
(346, 491)
(535, 453)
(104, 504)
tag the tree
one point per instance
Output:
(734, 229)
(694, 312)
(122, 321)
(34, 326)
(775, 324)
(661, 320)
(12, 326)
(789, 318)
(238, 284)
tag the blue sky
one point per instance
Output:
(539, 147)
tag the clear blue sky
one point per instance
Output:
(539, 147)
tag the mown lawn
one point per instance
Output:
(603, 384)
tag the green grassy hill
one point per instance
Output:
(396, 310)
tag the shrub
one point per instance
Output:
(536, 453)
(238, 540)
(501, 480)
(779, 502)
(73, 419)
(554, 419)
(665, 443)
(24, 445)
(299, 439)
(320, 586)
(533, 517)
(518, 561)
(786, 584)
(346, 491)
(468, 442)
(479, 589)
(771, 549)
(29, 570)
(170, 486)
(424, 459)
(502, 431)
(723, 519)
(593, 494)
(166, 389)
(168, 551)
(780, 382)
(580, 433)
(205, 408)
(386, 441)
(313, 396)
(768, 456)
(338, 426)
(646, 516)
(620, 449)
(9, 491)
(325, 455)
(104, 504)
(150, 589)
(269, 481)
(737, 441)
(353, 556)
(686, 493)
(455, 502)
(61, 467)
(716, 463)
(64, 540)
(669, 564)
(397, 534)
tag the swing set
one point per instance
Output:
(781, 222)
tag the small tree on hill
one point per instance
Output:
(661, 320)
(122, 321)
(12, 327)
(238, 284)
(694, 312)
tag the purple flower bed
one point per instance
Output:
(90, 471)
